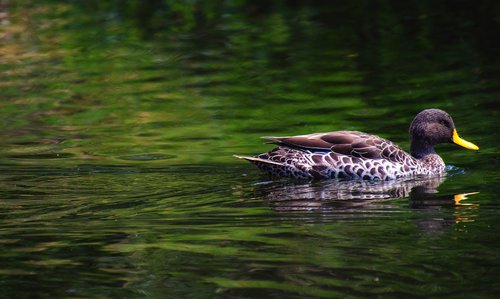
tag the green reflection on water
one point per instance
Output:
(119, 120)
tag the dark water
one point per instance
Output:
(118, 121)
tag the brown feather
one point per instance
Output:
(348, 143)
(338, 138)
(305, 142)
(343, 149)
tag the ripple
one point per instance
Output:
(453, 170)
(147, 157)
(43, 156)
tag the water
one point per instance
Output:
(119, 120)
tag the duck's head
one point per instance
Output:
(431, 127)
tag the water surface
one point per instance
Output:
(119, 120)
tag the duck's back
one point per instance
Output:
(342, 154)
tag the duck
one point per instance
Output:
(358, 155)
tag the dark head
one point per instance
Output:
(431, 127)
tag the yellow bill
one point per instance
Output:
(464, 143)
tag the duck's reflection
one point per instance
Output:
(347, 197)
(332, 194)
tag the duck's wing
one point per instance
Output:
(349, 143)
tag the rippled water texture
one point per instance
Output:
(119, 119)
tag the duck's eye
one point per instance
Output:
(444, 123)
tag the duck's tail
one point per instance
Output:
(257, 160)
(277, 168)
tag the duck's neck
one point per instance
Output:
(420, 149)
